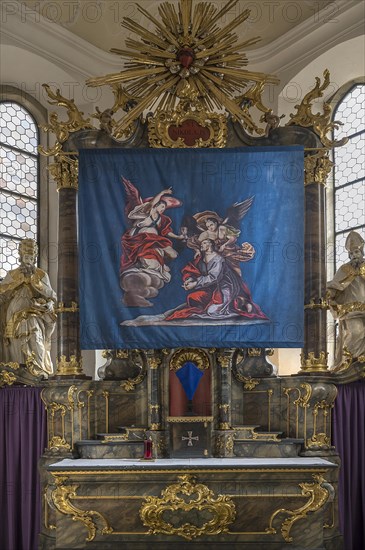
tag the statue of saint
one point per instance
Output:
(346, 293)
(28, 317)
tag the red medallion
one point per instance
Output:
(186, 56)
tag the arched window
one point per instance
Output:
(349, 170)
(19, 181)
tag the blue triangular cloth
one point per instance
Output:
(189, 376)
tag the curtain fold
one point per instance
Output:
(22, 442)
(349, 440)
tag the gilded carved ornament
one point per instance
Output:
(61, 497)
(131, 383)
(312, 363)
(58, 443)
(344, 309)
(155, 426)
(70, 367)
(254, 352)
(319, 440)
(183, 497)
(194, 355)
(191, 419)
(62, 129)
(188, 54)
(317, 167)
(303, 399)
(65, 171)
(319, 122)
(61, 308)
(318, 493)
(224, 360)
(189, 125)
(6, 378)
(224, 444)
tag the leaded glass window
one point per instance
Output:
(349, 171)
(19, 175)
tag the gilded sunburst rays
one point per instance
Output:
(187, 55)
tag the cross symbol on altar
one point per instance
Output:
(190, 438)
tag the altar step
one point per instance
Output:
(243, 441)
(285, 448)
(250, 442)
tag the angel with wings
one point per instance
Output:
(225, 232)
(146, 246)
(216, 290)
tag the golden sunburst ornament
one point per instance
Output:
(187, 56)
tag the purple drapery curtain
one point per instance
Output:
(349, 440)
(22, 442)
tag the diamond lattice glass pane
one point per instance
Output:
(350, 206)
(350, 161)
(341, 253)
(17, 127)
(351, 112)
(19, 216)
(18, 172)
(8, 255)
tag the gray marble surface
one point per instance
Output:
(219, 463)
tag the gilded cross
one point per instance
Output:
(190, 438)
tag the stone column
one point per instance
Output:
(224, 360)
(154, 391)
(317, 168)
(65, 172)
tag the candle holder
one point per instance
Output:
(148, 449)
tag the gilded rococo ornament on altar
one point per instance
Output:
(187, 126)
(188, 57)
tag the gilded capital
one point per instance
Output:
(317, 167)
(65, 172)
(70, 367)
(311, 363)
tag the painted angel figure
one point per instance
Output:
(147, 245)
(225, 232)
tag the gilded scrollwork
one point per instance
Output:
(321, 123)
(318, 493)
(12, 365)
(195, 355)
(170, 129)
(7, 378)
(58, 443)
(60, 129)
(131, 383)
(303, 399)
(185, 496)
(61, 497)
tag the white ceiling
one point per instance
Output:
(98, 21)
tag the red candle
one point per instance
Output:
(147, 449)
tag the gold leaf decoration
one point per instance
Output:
(182, 497)
(186, 46)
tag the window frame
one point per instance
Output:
(345, 91)
(39, 115)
